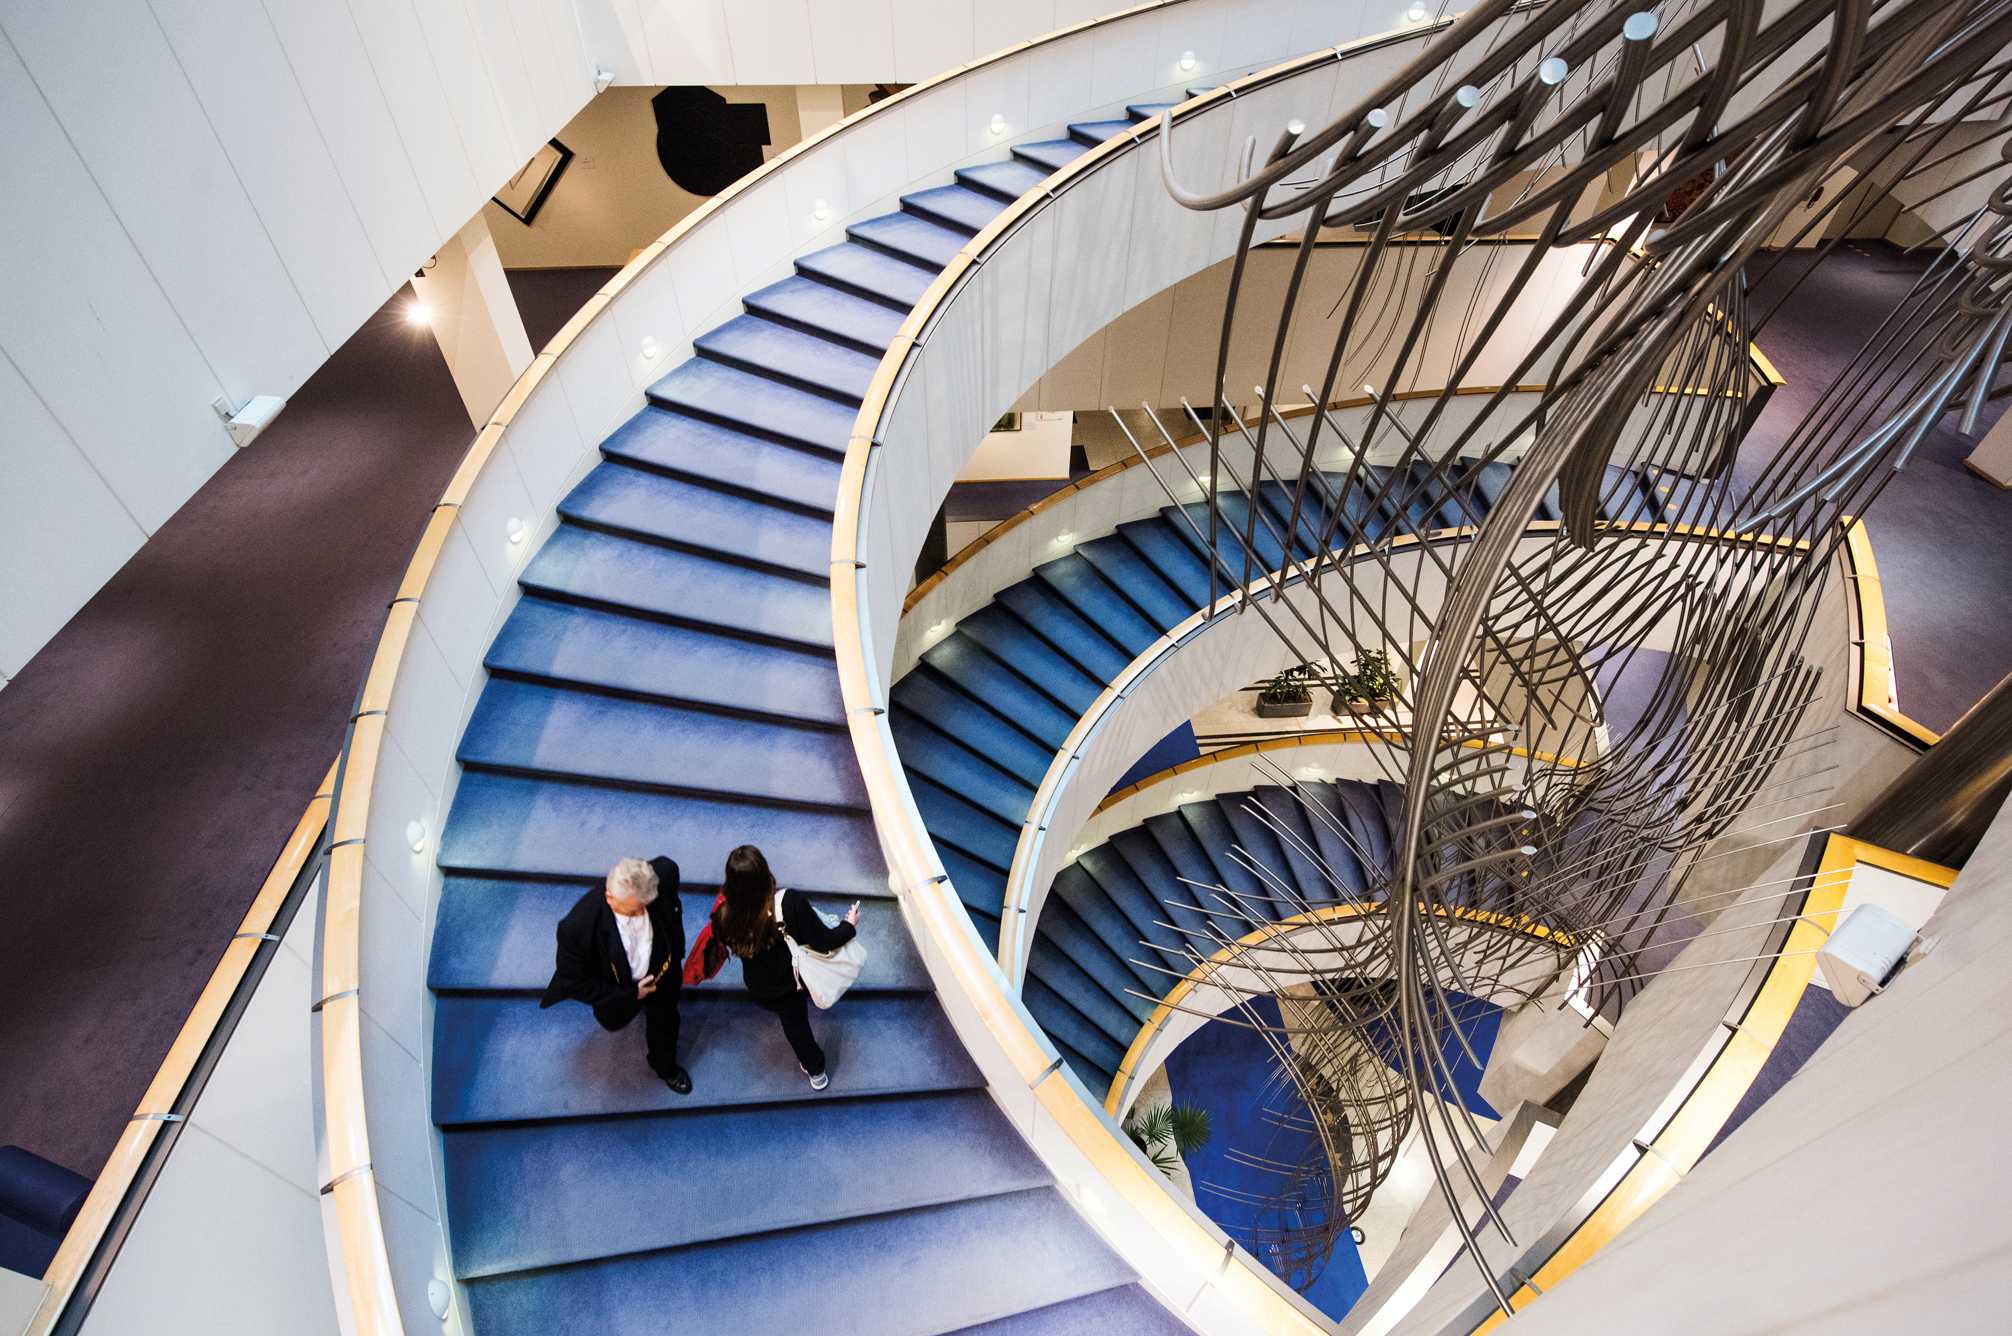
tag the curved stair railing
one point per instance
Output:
(463, 646)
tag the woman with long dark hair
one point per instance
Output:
(746, 924)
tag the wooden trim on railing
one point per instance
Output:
(1875, 645)
(115, 1180)
(1688, 1133)
(1167, 1007)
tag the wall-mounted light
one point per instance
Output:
(1065, 538)
(820, 210)
(651, 347)
(997, 125)
(418, 313)
(1187, 62)
(514, 527)
(415, 834)
(602, 78)
(1416, 13)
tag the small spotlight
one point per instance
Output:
(1187, 62)
(514, 527)
(415, 835)
(1416, 13)
(418, 312)
(651, 347)
(997, 125)
(820, 210)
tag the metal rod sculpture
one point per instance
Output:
(1673, 155)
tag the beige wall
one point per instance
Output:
(614, 198)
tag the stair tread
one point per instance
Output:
(1121, 564)
(502, 1058)
(552, 828)
(1016, 645)
(1097, 132)
(757, 404)
(864, 270)
(1077, 583)
(547, 729)
(976, 673)
(857, 320)
(647, 504)
(925, 751)
(1171, 553)
(1330, 835)
(1063, 627)
(779, 352)
(1054, 154)
(603, 568)
(955, 206)
(1075, 984)
(926, 244)
(950, 818)
(1008, 179)
(840, 1272)
(931, 698)
(1123, 1308)
(716, 455)
(535, 1196)
(561, 642)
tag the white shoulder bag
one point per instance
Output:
(824, 976)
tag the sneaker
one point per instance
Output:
(818, 1082)
(678, 1080)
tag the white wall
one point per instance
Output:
(207, 198)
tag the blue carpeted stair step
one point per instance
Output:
(756, 405)
(780, 352)
(1121, 563)
(1263, 845)
(931, 698)
(496, 935)
(1123, 1308)
(1145, 111)
(1171, 552)
(952, 819)
(1005, 181)
(1076, 582)
(866, 272)
(535, 728)
(501, 1058)
(1306, 529)
(1186, 859)
(1075, 888)
(955, 206)
(552, 828)
(1342, 855)
(1095, 1079)
(1064, 1023)
(538, 1195)
(1084, 951)
(560, 642)
(1074, 984)
(1363, 815)
(833, 312)
(838, 1272)
(924, 751)
(1156, 876)
(718, 456)
(581, 565)
(1061, 626)
(640, 503)
(1267, 553)
(1215, 835)
(1680, 498)
(1052, 154)
(1293, 832)
(980, 889)
(1121, 886)
(976, 673)
(1012, 642)
(1093, 133)
(908, 237)
(1622, 499)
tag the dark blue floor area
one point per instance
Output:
(1168, 752)
(1815, 1018)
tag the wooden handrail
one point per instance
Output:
(1876, 695)
(129, 1154)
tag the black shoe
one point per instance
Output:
(678, 1079)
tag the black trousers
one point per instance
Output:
(793, 1010)
(660, 1023)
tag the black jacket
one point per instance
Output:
(768, 973)
(592, 966)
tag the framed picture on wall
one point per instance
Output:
(525, 193)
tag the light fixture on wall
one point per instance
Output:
(997, 125)
(1416, 13)
(415, 834)
(514, 527)
(1187, 62)
(418, 312)
(820, 210)
(651, 347)
(602, 78)
(1065, 538)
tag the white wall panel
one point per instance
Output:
(324, 52)
(404, 71)
(109, 74)
(472, 98)
(852, 41)
(688, 41)
(995, 25)
(770, 41)
(234, 62)
(509, 52)
(930, 36)
(562, 72)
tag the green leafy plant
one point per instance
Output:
(1372, 679)
(1291, 687)
(1166, 1132)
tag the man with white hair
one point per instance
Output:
(621, 951)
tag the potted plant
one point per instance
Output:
(1371, 685)
(1286, 696)
(1166, 1132)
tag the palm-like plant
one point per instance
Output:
(1166, 1132)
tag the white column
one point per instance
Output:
(467, 301)
(817, 106)
(1992, 459)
